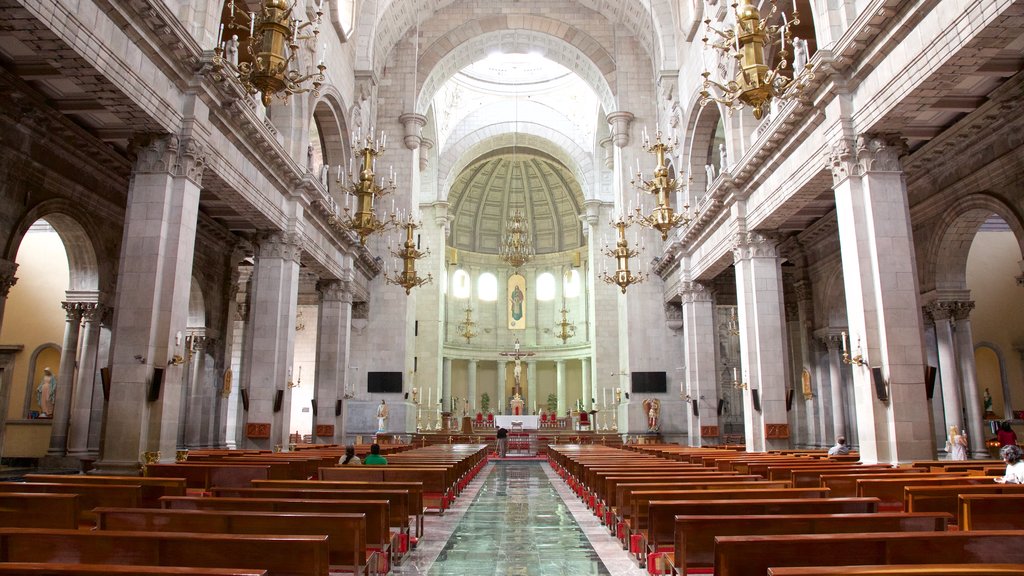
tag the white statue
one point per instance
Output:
(309, 157)
(46, 393)
(800, 55)
(709, 169)
(231, 50)
(323, 175)
(382, 417)
(517, 372)
(723, 165)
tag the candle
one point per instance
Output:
(843, 338)
(735, 374)
(703, 59)
(232, 7)
(220, 35)
(252, 23)
(782, 33)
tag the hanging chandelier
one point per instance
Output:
(407, 277)
(466, 327)
(755, 84)
(566, 329)
(364, 187)
(623, 276)
(663, 218)
(516, 248)
(274, 37)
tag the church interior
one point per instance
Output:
(668, 234)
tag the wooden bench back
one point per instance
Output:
(624, 487)
(28, 510)
(279, 555)
(844, 485)
(415, 489)
(744, 555)
(992, 511)
(399, 499)
(694, 540)
(346, 532)
(946, 498)
(639, 501)
(89, 495)
(891, 490)
(811, 476)
(205, 476)
(152, 488)
(434, 479)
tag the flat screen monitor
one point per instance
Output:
(649, 383)
(384, 382)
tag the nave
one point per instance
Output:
(517, 518)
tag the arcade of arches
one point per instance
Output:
(171, 249)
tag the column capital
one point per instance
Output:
(7, 277)
(169, 154)
(333, 291)
(949, 309)
(695, 292)
(872, 152)
(747, 245)
(92, 311)
(73, 310)
(414, 124)
(283, 245)
(802, 291)
(620, 122)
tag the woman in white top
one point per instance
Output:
(1014, 465)
(956, 444)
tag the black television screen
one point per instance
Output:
(649, 383)
(384, 382)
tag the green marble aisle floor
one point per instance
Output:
(518, 525)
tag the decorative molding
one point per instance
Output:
(776, 431)
(257, 430)
(413, 124)
(620, 121)
(325, 430)
(747, 245)
(880, 152)
(279, 245)
(692, 292)
(332, 290)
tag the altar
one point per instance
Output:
(529, 422)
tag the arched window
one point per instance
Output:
(571, 284)
(487, 287)
(545, 287)
(461, 286)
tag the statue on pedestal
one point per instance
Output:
(382, 417)
(653, 409)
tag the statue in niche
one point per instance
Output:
(46, 393)
(309, 157)
(653, 409)
(723, 164)
(800, 55)
(231, 50)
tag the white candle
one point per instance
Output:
(232, 8)
(736, 375)
(220, 35)
(252, 23)
(843, 338)
(782, 33)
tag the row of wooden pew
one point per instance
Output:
(700, 510)
(232, 512)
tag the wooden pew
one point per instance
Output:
(904, 570)
(278, 555)
(947, 498)
(438, 482)
(744, 555)
(845, 485)
(152, 488)
(890, 491)
(89, 495)
(991, 511)
(346, 532)
(39, 569)
(694, 539)
(28, 510)
(205, 476)
(811, 476)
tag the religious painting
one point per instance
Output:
(517, 302)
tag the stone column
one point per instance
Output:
(835, 368)
(334, 324)
(699, 359)
(882, 307)
(65, 380)
(155, 277)
(270, 346)
(81, 402)
(193, 424)
(952, 409)
(471, 368)
(800, 411)
(586, 385)
(969, 374)
(816, 435)
(446, 385)
(531, 385)
(560, 385)
(762, 341)
(499, 390)
(7, 280)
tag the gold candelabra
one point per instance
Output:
(273, 48)
(566, 329)
(408, 278)
(755, 84)
(736, 382)
(364, 186)
(465, 327)
(297, 383)
(859, 359)
(516, 247)
(622, 277)
(663, 218)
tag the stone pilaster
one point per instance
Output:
(699, 345)
(65, 380)
(531, 383)
(474, 402)
(834, 345)
(446, 385)
(332, 341)
(560, 386)
(586, 385)
(882, 295)
(499, 386)
(85, 385)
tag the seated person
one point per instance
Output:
(374, 458)
(350, 457)
(840, 448)
(1014, 466)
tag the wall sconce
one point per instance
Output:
(859, 359)
(736, 382)
(297, 382)
(176, 360)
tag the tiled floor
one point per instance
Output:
(517, 518)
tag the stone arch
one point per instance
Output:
(77, 235)
(391, 20)
(488, 138)
(329, 113)
(833, 301)
(196, 306)
(1004, 381)
(701, 125)
(946, 250)
(459, 48)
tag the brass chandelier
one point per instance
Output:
(663, 218)
(754, 83)
(407, 277)
(516, 248)
(466, 327)
(566, 329)
(273, 48)
(623, 276)
(364, 186)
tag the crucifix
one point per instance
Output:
(517, 371)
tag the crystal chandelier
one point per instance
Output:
(516, 247)
(407, 277)
(754, 83)
(566, 329)
(663, 218)
(273, 49)
(466, 327)
(364, 186)
(622, 277)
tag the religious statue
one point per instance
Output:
(415, 395)
(723, 156)
(709, 169)
(653, 409)
(382, 417)
(517, 372)
(800, 54)
(324, 175)
(231, 50)
(309, 157)
(987, 399)
(517, 405)
(46, 393)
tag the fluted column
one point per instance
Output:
(560, 385)
(65, 380)
(81, 402)
(949, 376)
(471, 385)
(499, 388)
(969, 375)
(835, 368)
